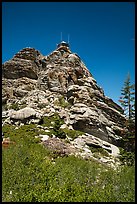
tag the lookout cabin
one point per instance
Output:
(63, 43)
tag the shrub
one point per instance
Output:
(14, 106)
(56, 128)
(61, 102)
(42, 105)
(99, 150)
(73, 134)
(4, 107)
(56, 122)
(29, 174)
(127, 157)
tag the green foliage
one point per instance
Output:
(98, 151)
(42, 105)
(56, 128)
(14, 106)
(46, 121)
(126, 157)
(23, 105)
(62, 102)
(128, 136)
(73, 133)
(29, 174)
(4, 107)
(127, 99)
(55, 121)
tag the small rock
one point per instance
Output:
(64, 126)
(44, 137)
(47, 130)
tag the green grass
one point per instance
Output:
(127, 158)
(29, 172)
(62, 102)
(98, 152)
(14, 106)
(73, 134)
(55, 121)
(50, 120)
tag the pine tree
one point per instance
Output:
(127, 99)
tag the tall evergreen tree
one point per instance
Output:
(127, 99)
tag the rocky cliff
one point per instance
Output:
(59, 82)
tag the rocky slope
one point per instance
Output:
(59, 82)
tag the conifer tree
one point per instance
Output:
(127, 99)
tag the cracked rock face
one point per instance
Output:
(60, 82)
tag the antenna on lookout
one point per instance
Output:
(63, 43)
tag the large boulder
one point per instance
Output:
(23, 114)
(23, 64)
(17, 68)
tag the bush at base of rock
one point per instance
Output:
(31, 174)
(56, 129)
(14, 106)
(98, 150)
(127, 157)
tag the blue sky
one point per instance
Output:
(101, 33)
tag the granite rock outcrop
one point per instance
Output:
(60, 82)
